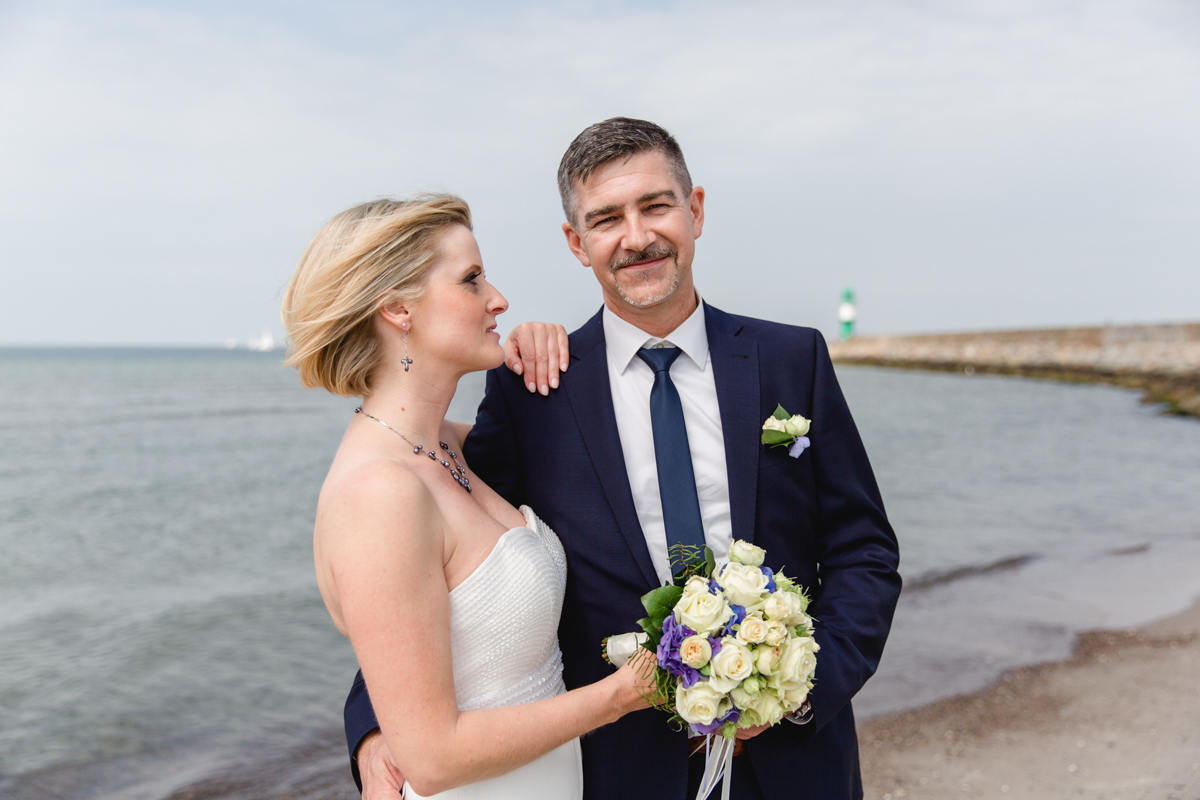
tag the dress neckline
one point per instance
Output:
(526, 512)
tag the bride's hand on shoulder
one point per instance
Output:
(538, 351)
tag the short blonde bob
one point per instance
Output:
(361, 260)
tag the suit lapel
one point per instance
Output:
(735, 371)
(590, 394)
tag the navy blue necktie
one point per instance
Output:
(676, 480)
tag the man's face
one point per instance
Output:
(637, 230)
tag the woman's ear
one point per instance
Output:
(396, 313)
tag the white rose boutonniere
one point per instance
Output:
(786, 430)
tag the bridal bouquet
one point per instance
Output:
(733, 645)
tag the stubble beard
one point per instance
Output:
(647, 255)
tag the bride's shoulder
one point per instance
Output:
(374, 497)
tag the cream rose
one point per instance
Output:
(695, 651)
(746, 553)
(744, 585)
(773, 424)
(703, 612)
(797, 663)
(766, 660)
(783, 606)
(700, 704)
(776, 633)
(796, 426)
(753, 630)
(732, 665)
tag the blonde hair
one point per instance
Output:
(361, 260)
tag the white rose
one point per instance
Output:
(695, 585)
(753, 630)
(703, 612)
(796, 426)
(742, 697)
(700, 704)
(746, 553)
(797, 663)
(766, 660)
(773, 424)
(776, 633)
(764, 709)
(744, 585)
(695, 651)
(795, 698)
(782, 606)
(732, 665)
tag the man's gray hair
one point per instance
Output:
(619, 137)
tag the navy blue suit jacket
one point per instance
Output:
(819, 517)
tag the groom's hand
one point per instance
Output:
(381, 780)
(750, 733)
(538, 352)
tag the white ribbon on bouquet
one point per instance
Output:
(718, 751)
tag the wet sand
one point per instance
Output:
(1119, 719)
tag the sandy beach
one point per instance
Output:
(1119, 719)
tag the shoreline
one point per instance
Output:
(1163, 361)
(1119, 718)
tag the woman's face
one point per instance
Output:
(455, 320)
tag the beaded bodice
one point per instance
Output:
(504, 621)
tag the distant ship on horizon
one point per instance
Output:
(263, 343)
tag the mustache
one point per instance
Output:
(650, 254)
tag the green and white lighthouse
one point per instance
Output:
(847, 314)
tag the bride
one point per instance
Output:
(449, 595)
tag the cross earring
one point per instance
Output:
(406, 360)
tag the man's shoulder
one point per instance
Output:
(768, 332)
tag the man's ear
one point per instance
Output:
(696, 206)
(576, 244)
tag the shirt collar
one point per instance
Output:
(623, 339)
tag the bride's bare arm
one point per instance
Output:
(385, 558)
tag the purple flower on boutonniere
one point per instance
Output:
(784, 430)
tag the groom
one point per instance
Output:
(585, 459)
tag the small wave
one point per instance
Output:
(1130, 551)
(941, 577)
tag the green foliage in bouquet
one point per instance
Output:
(690, 561)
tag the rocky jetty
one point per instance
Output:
(1162, 360)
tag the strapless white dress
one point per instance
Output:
(504, 641)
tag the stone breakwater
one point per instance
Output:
(1162, 360)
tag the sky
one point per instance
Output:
(960, 165)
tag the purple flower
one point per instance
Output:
(733, 715)
(770, 578)
(739, 615)
(798, 446)
(713, 586)
(668, 651)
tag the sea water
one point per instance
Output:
(161, 634)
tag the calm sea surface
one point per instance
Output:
(161, 634)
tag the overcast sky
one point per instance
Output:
(960, 165)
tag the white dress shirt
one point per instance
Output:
(631, 380)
